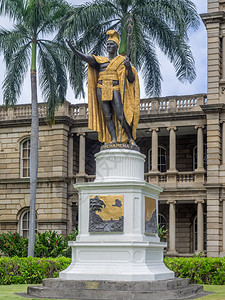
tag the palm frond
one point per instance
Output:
(150, 68)
(52, 76)
(136, 41)
(163, 22)
(12, 8)
(77, 75)
(179, 15)
(10, 41)
(55, 15)
(87, 15)
(15, 74)
(183, 62)
(174, 46)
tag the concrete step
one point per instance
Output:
(95, 290)
(170, 284)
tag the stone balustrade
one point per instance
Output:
(187, 179)
(173, 104)
(178, 179)
(170, 104)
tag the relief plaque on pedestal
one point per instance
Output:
(150, 215)
(106, 213)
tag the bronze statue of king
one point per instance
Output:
(108, 87)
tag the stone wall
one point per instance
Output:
(52, 197)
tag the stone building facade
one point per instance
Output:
(183, 139)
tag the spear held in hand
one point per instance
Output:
(129, 32)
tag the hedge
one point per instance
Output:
(30, 270)
(47, 244)
(201, 270)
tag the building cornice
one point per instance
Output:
(39, 180)
(213, 185)
(214, 17)
(52, 221)
(178, 116)
(212, 108)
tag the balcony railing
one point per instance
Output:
(161, 105)
(176, 179)
(173, 104)
(186, 177)
(167, 179)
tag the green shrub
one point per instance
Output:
(12, 244)
(29, 270)
(202, 270)
(47, 244)
(162, 232)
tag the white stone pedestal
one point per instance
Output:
(110, 251)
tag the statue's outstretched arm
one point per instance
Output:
(130, 73)
(87, 58)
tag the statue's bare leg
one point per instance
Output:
(118, 109)
(107, 112)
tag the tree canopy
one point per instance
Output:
(162, 23)
(23, 47)
(27, 47)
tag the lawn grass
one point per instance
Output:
(219, 291)
(8, 291)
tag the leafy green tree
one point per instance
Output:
(162, 23)
(24, 47)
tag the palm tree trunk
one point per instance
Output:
(33, 153)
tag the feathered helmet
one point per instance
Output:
(113, 36)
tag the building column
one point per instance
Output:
(172, 150)
(70, 217)
(172, 228)
(70, 155)
(222, 254)
(223, 142)
(200, 149)
(70, 164)
(223, 57)
(200, 225)
(81, 172)
(154, 149)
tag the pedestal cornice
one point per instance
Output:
(124, 184)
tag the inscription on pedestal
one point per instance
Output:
(106, 213)
(150, 215)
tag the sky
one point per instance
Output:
(170, 86)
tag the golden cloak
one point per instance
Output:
(96, 120)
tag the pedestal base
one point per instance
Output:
(117, 261)
(146, 290)
(118, 228)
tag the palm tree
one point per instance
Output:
(25, 46)
(162, 23)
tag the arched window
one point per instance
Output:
(25, 158)
(24, 224)
(162, 224)
(195, 157)
(195, 233)
(162, 159)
